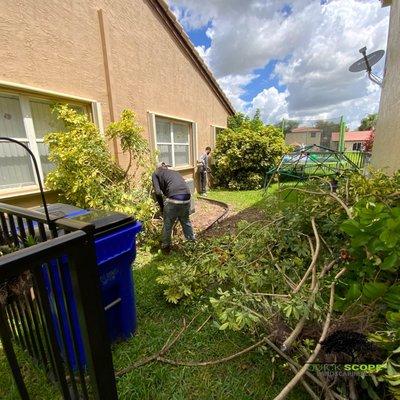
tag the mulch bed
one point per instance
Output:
(229, 224)
(206, 213)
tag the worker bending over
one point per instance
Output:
(173, 196)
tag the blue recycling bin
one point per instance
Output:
(115, 245)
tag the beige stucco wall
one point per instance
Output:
(386, 150)
(57, 46)
(302, 138)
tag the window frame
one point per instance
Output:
(24, 99)
(358, 146)
(191, 143)
(214, 133)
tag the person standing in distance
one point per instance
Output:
(173, 196)
(204, 169)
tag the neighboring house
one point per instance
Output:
(353, 141)
(386, 148)
(101, 57)
(304, 136)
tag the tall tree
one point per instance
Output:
(368, 122)
(288, 125)
(327, 127)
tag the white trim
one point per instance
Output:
(171, 117)
(152, 131)
(171, 133)
(30, 134)
(195, 147)
(31, 89)
(97, 116)
(214, 133)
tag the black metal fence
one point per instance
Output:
(39, 254)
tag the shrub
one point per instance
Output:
(245, 152)
(85, 173)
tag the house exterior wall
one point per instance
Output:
(59, 46)
(348, 145)
(386, 148)
(303, 138)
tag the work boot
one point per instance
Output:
(166, 249)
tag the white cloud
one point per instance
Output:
(314, 44)
(272, 105)
(234, 87)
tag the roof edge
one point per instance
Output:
(176, 28)
(386, 3)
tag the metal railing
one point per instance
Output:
(30, 317)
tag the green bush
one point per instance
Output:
(245, 152)
(86, 174)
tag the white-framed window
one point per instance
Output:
(313, 134)
(26, 118)
(174, 141)
(215, 131)
(357, 146)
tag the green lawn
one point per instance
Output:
(252, 376)
(35, 379)
(238, 199)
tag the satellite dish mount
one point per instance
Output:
(366, 63)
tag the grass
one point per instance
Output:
(247, 377)
(239, 199)
(244, 199)
(252, 376)
(38, 386)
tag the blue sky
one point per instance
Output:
(288, 58)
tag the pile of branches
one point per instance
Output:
(281, 279)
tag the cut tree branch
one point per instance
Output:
(314, 258)
(167, 346)
(331, 194)
(212, 362)
(287, 389)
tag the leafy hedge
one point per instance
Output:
(245, 152)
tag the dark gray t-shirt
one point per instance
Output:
(169, 183)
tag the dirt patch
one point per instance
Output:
(229, 223)
(206, 213)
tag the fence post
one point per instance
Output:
(5, 335)
(86, 285)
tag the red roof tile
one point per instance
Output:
(354, 136)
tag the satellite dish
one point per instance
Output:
(366, 62)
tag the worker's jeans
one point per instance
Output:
(173, 212)
(203, 182)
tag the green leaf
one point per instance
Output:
(360, 240)
(374, 290)
(389, 238)
(390, 262)
(354, 291)
(392, 297)
(224, 326)
(351, 227)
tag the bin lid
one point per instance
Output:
(61, 210)
(103, 220)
